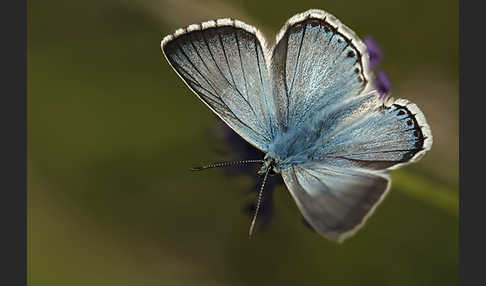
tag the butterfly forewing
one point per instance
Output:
(224, 63)
(316, 62)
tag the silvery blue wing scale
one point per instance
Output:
(308, 102)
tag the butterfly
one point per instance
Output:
(309, 102)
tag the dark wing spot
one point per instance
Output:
(315, 22)
(351, 54)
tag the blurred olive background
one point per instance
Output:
(112, 132)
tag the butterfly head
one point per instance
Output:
(270, 164)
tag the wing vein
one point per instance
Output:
(200, 57)
(219, 97)
(214, 60)
(229, 67)
(205, 97)
(296, 66)
(241, 64)
(234, 83)
(261, 81)
(258, 62)
(327, 188)
(198, 71)
(378, 152)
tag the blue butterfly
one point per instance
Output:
(310, 103)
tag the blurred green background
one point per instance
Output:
(112, 132)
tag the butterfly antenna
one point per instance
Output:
(225, 164)
(259, 200)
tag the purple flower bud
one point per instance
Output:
(373, 50)
(383, 85)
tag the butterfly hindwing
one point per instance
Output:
(335, 201)
(224, 63)
(376, 136)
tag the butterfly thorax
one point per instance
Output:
(293, 147)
